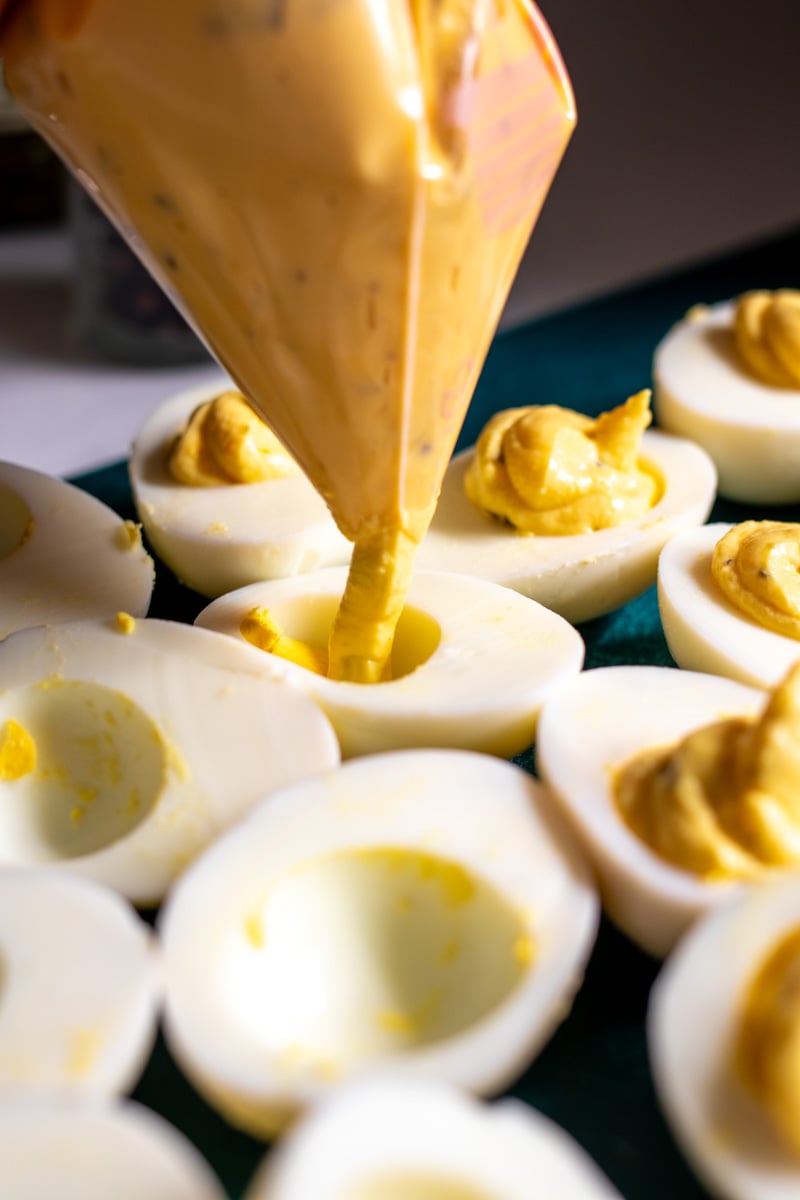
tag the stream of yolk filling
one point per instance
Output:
(343, 228)
(756, 564)
(767, 335)
(724, 803)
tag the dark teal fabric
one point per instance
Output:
(593, 1077)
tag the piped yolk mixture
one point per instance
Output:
(225, 442)
(549, 470)
(724, 803)
(767, 1050)
(757, 566)
(767, 333)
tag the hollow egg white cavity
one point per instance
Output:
(94, 1152)
(703, 391)
(79, 988)
(65, 555)
(471, 664)
(423, 909)
(581, 575)
(693, 1025)
(216, 539)
(400, 1139)
(703, 629)
(587, 729)
(126, 746)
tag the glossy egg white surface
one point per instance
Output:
(703, 629)
(693, 1020)
(472, 661)
(399, 1139)
(80, 988)
(582, 575)
(423, 909)
(148, 744)
(216, 539)
(587, 729)
(95, 1152)
(704, 392)
(65, 555)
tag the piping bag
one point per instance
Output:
(337, 194)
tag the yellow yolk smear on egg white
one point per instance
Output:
(343, 228)
(413, 1186)
(551, 471)
(226, 442)
(757, 566)
(767, 1051)
(767, 336)
(724, 803)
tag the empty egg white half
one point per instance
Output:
(582, 575)
(147, 743)
(216, 539)
(65, 555)
(422, 909)
(400, 1139)
(702, 391)
(587, 729)
(471, 665)
(703, 629)
(94, 1152)
(79, 988)
(692, 1027)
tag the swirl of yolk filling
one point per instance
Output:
(548, 470)
(724, 803)
(226, 442)
(757, 566)
(767, 333)
(767, 1044)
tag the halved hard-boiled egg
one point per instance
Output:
(65, 555)
(708, 631)
(743, 408)
(93, 1152)
(126, 746)
(423, 909)
(723, 1032)
(79, 988)
(606, 720)
(401, 1139)
(583, 574)
(471, 663)
(218, 535)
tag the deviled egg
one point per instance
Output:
(424, 909)
(126, 746)
(79, 988)
(214, 531)
(718, 380)
(663, 863)
(723, 1030)
(706, 629)
(592, 542)
(65, 555)
(401, 1139)
(93, 1152)
(471, 664)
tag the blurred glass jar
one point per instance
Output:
(120, 311)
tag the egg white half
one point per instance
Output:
(703, 391)
(65, 555)
(692, 1026)
(286, 975)
(93, 1152)
(148, 744)
(472, 661)
(376, 1139)
(583, 575)
(216, 539)
(79, 988)
(590, 726)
